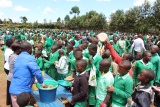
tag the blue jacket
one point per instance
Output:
(25, 69)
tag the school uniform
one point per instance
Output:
(155, 60)
(92, 90)
(123, 86)
(80, 90)
(142, 96)
(62, 68)
(139, 66)
(103, 82)
(52, 71)
(39, 61)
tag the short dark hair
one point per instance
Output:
(150, 74)
(93, 47)
(145, 53)
(25, 46)
(15, 46)
(127, 63)
(82, 62)
(9, 42)
(23, 99)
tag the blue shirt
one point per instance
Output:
(25, 69)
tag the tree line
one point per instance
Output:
(143, 19)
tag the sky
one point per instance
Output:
(52, 9)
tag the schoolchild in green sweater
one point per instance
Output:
(94, 60)
(39, 59)
(142, 64)
(155, 60)
(123, 85)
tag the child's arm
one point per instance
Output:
(114, 54)
(104, 103)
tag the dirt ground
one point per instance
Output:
(3, 89)
(3, 79)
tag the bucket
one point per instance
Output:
(48, 95)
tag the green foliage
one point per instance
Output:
(141, 19)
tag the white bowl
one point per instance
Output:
(102, 37)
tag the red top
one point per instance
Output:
(116, 58)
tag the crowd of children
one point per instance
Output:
(123, 76)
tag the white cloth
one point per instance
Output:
(62, 66)
(7, 53)
(138, 45)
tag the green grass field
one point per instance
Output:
(1, 61)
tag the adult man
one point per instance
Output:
(25, 69)
(138, 45)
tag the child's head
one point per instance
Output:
(154, 49)
(124, 67)
(38, 53)
(40, 46)
(23, 99)
(72, 42)
(127, 56)
(78, 55)
(92, 49)
(106, 54)
(69, 48)
(104, 65)
(9, 42)
(81, 65)
(147, 56)
(61, 52)
(139, 56)
(75, 49)
(146, 76)
(54, 48)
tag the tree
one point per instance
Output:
(1, 22)
(75, 10)
(23, 19)
(10, 21)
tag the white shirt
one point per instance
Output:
(138, 45)
(62, 66)
(7, 53)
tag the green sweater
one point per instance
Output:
(95, 61)
(122, 89)
(155, 60)
(40, 62)
(139, 66)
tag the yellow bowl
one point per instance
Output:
(34, 87)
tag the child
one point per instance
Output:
(49, 64)
(123, 85)
(142, 94)
(62, 66)
(80, 86)
(94, 60)
(23, 100)
(105, 80)
(142, 64)
(155, 60)
(39, 59)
